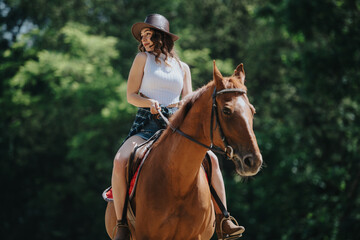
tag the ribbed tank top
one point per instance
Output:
(162, 82)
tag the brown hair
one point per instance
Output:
(163, 43)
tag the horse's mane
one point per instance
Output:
(189, 101)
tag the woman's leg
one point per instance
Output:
(217, 182)
(118, 181)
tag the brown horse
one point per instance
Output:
(173, 199)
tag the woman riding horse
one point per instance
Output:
(156, 80)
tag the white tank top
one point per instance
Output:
(162, 82)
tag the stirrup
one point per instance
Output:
(228, 236)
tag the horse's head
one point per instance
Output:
(235, 116)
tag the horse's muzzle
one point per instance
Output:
(248, 165)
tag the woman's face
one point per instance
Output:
(146, 34)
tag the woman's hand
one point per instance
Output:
(155, 107)
(180, 103)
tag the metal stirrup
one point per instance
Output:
(231, 218)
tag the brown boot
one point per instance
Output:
(227, 229)
(122, 232)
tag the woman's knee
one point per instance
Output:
(214, 160)
(122, 156)
(120, 162)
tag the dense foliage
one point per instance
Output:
(63, 109)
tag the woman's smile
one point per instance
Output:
(146, 35)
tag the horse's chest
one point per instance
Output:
(161, 207)
(163, 192)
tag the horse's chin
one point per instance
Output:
(242, 169)
(245, 174)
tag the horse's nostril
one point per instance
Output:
(248, 160)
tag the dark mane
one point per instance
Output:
(189, 101)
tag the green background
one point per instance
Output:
(64, 113)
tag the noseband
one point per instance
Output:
(228, 151)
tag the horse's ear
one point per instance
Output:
(218, 78)
(240, 73)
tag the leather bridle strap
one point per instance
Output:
(182, 133)
(228, 151)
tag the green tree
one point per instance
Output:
(68, 117)
(308, 122)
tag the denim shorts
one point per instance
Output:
(152, 127)
(149, 129)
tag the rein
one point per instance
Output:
(228, 151)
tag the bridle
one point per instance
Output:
(228, 151)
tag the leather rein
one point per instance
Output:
(228, 151)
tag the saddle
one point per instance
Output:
(133, 168)
(136, 161)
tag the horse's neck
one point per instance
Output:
(187, 156)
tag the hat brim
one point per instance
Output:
(137, 27)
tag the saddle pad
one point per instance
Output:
(108, 195)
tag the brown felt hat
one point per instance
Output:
(155, 21)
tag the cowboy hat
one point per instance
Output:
(155, 21)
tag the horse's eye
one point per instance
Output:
(226, 111)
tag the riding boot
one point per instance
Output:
(226, 228)
(122, 232)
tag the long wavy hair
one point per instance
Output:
(163, 43)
